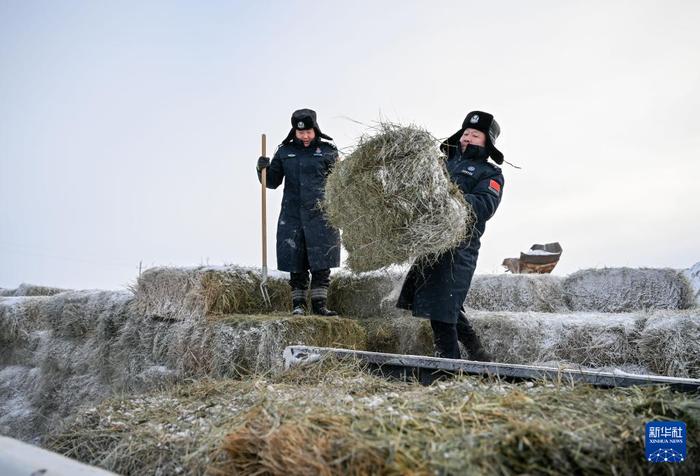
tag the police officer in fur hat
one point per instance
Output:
(438, 291)
(305, 241)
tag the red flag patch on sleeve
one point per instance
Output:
(495, 187)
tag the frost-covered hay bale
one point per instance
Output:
(515, 338)
(586, 339)
(693, 277)
(365, 295)
(670, 343)
(70, 314)
(594, 340)
(517, 292)
(16, 314)
(627, 289)
(180, 293)
(25, 289)
(61, 345)
(399, 335)
(18, 384)
(393, 200)
(256, 343)
(227, 346)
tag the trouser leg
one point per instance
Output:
(320, 278)
(445, 339)
(299, 281)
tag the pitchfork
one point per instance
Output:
(263, 175)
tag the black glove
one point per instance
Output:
(263, 162)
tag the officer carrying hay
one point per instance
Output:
(437, 289)
(305, 241)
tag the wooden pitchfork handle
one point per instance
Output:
(263, 196)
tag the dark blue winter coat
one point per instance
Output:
(304, 238)
(438, 291)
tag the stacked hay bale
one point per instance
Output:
(366, 295)
(693, 277)
(589, 340)
(627, 289)
(525, 319)
(25, 289)
(517, 292)
(53, 355)
(669, 343)
(80, 346)
(58, 352)
(181, 293)
(393, 200)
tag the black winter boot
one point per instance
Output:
(475, 351)
(298, 302)
(471, 342)
(298, 308)
(445, 340)
(319, 307)
(318, 302)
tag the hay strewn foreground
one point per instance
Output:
(393, 200)
(332, 419)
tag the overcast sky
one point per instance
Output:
(129, 131)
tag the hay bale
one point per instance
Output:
(693, 277)
(14, 312)
(661, 342)
(335, 419)
(55, 347)
(399, 335)
(25, 289)
(627, 289)
(181, 293)
(589, 340)
(394, 201)
(517, 292)
(256, 343)
(669, 343)
(363, 295)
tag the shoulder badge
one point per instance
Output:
(495, 187)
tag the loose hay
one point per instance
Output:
(393, 200)
(335, 419)
(627, 289)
